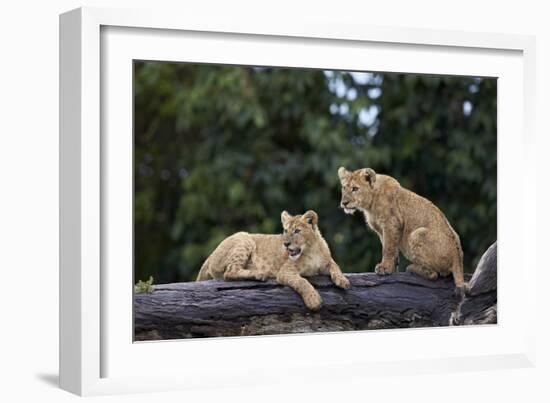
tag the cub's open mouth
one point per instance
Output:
(294, 253)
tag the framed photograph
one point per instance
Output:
(236, 200)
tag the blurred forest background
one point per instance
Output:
(221, 149)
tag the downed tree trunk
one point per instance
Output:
(401, 300)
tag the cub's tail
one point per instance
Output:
(457, 269)
(458, 275)
(204, 273)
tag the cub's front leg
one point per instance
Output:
(289, 276)
(336, 275)
(390, 252)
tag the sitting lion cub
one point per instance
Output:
(405, 222)
(299, 252)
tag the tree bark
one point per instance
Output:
(480, 305)
(239, 308)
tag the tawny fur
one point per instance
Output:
(406, 222)
(299, 252)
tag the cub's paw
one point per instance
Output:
(313, 301)
(342, 282)
(261, 276)
(383, 269)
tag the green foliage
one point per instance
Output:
(221, 149)
(144, 286)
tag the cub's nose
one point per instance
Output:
(345, 203)
(286, 244)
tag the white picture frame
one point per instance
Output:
(96, 354)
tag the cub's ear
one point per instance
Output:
(369, 175)
(285, 217)
(343, 173)
(310, 217)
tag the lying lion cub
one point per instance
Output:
(299, 252)
(405, 222)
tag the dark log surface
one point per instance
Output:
(221, 308)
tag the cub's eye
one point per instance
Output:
(354, 189)
(296, 231)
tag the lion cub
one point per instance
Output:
(299, 252)
(405, 222)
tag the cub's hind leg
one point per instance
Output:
(421, 254)
(237, 259)
(422, 271)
